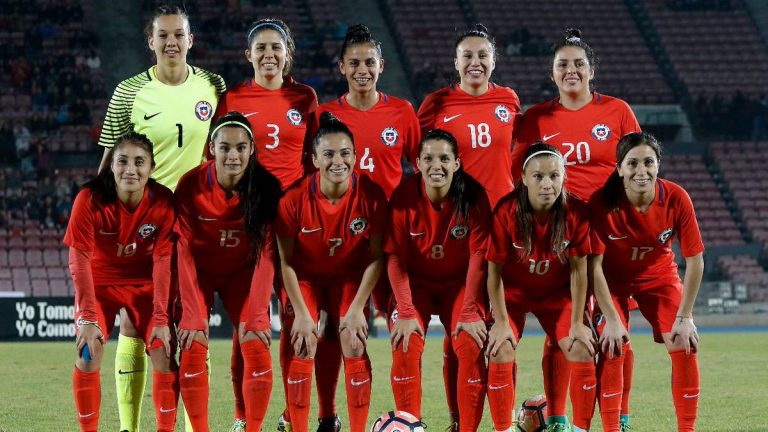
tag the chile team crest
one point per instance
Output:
(389, 136)
(146, 230)
(502, 113)
(358, 225)
(203, 110)
(601, 132)
(665, 235)
(459, 232)
(294, 116)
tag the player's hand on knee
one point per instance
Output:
(402, 331)
(186, 337)
(356, 325)
(304, 336)
(89, 335)
(163, 334)
(500, 333)
(613, 338)
(684, 334)
(580, 333)
(477, 329)
(265, 336)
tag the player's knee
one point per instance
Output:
(160, 362)
(578, 353)
(351, 345)
(504, 354)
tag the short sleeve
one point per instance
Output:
(287, 222)
(79, 233)
(499, 240)
(688, 227)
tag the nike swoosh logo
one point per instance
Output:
(400, 379)
(192, 375)
(163, 410)
(147, 117)
(250, 114)
(693, 396)
(446, 119)
(546, 137)
(290, 381)
(262, 373)
(122, 372)
(492, 387)
(474, 381)
(586, 387)
(203, 218)
(610, 395)
(86, 415)
(108, 233)
(305, 230)
(358, 383)
(514, 245)
(413, 234)
(613, 237)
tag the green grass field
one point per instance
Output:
(36, 390)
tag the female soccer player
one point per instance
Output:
(172, 103)
(482, 116)
(538, 247)
(329, 235)
(436, 249)
(278, 108)
(636, 216)
(225, 208)
(585, 126)
(120, 257)
(386, 132)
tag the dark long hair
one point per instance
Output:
(103, 186)
(572, 38)
(465, 190)
(259, 191)
(524, 210)
(359, 34)
(613, 190)
(330, 124)
(285, 32)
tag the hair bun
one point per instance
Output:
(358, 31)
(572, 32)
(482, 28)
(327, 119)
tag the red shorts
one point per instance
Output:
(554, 317)
(658, 305)
(332, 297)
(233, 291)
(137, 301)
(431, 299)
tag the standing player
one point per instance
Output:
(120, 257)
(538, 248)
(386, 132)
(585, 126)
(636, 216)
(172, 103)
(482, 116)
(436, 247)
(329, 234)
(279, 110)
(225, 208)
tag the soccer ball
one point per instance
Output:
(533, 415)
(397, 421)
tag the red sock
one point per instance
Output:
(236, 365)
(87, 390)
(501, 394)
(406, 376)
(299, 383)
(286, 353)
(165, 395)
(685, 389)
(471, 382)
(629, 367)
(583, 390)
(450, 372)
(357, 372)
(257, 382)
(193, 380)
(611, 375)
(327, 368)
(557, 375)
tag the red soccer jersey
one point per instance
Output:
(122, 241)
(483, 126)
(279, 119)
(383, 135)
(637, 247)
(432, 244)
(586, 137)
(331, 240)
(535, 278)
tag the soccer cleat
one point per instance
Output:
(282, 425)
(454, 426)
(329, 424)
(558, 427)
(238, 426)
(625, 427)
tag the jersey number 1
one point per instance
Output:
(181, 134)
